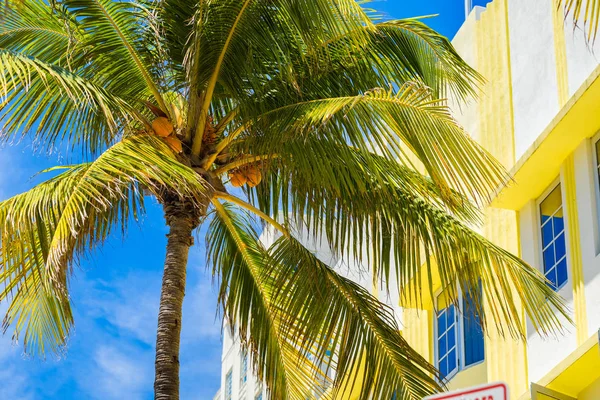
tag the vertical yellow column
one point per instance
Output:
(418, 331)
(575, 260)
(506, 357)
(560, 52)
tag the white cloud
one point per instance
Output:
(14, 384)
(199, 313)
(131, 304)
(118, 376)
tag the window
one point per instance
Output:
(554, 244)
(244, 374)
(258, 396)
(459, 338)
(229, 385)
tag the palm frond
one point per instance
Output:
(391, 54)
(56, 104)
(119, 53)
(245, 295)
(394, 220)
(395, 125)
(586, 11)
(237, 40)
(36, 29)
(44, 231)
(323, 310)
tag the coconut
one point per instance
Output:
(253, 176)
(174, 143)
(162, 126)
(237, 179)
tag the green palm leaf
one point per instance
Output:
(47, 229)
(113, 34)
(246, 297)
(402, 125)
(379, 212)
(323, 310)
(57, 104)
(47, 33)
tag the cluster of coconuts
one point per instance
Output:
(249, 175)
(164, 128)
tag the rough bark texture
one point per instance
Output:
(182, 217)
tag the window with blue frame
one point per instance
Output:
(459, 336)
(554, 243)
(447, 343)
(258, 396)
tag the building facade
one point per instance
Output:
(539, 114)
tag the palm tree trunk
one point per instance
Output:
(182, 218)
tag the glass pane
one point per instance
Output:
(451, 337)
(547, 234)
(559, 224)
(551, 276)
(560, 247)
(443, 367)
(561, 273)
(452, 361)
(549, 258)
(442, 346)
(450, 315)
(552, 203)
(441, 323)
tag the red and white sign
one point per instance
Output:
(490, 391)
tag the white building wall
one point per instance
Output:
(582, 56)
(465, 43)
(587, 204)
(543, 353)
(535, 89)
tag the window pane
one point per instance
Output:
(441, 323)
(442, 345)
(452, 363)
(443, 367)
(551, 203)
(547, 234)
(560, 247)
(561, 273)
(549, 258)
(450, 315)
(551, 276)
(559, 224)
(451, 337)
(473, 334)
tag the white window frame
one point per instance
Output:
(460, 336)
(538, 228)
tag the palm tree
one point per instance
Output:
(316, 111)
(588, 9)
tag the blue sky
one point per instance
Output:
(115, 293)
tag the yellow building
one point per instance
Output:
(539, 113)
